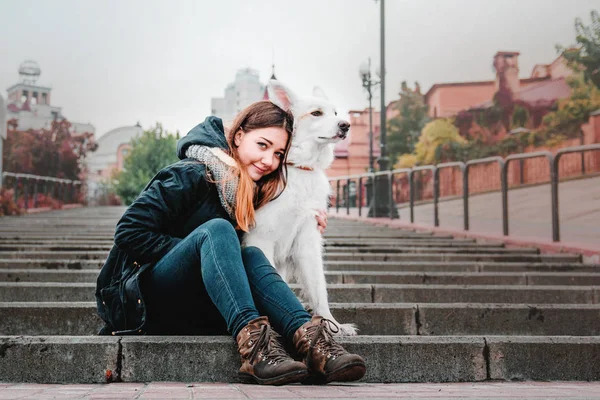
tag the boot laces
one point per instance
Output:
(267, 346)
(323, 339)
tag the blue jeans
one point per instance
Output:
(207, 284)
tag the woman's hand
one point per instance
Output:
(321, 220)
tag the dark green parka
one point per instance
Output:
(175, 202)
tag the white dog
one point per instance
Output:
(286, 228)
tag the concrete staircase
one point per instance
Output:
(430, 308)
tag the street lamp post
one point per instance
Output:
(383, 158)
(368, 83)
(382, 206)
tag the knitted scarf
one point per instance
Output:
(221, 170)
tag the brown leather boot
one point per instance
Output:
(326, 360)
(264, 360)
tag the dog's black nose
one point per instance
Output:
(344, 126)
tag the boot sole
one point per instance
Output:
(290, 377)
(347, 373)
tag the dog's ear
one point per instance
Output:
(318, 92)
(281, 95)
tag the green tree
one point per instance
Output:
(405, 128)
(572, 111)
(150, 152)
(437, 133)
(586, 56)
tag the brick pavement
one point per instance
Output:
(171, 390)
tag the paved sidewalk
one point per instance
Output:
(168, 390)
(529, 214)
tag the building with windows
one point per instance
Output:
(109, 157)
(30, 104)
(243, 91)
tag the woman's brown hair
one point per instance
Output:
(252, 195)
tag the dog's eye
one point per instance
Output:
(335, 112)
(316, 113)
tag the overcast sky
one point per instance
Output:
(115, 62)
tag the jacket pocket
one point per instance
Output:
(113, 305)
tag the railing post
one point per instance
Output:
(436, 195)
(65, 191)
(554, 196)
(26, 193)
(466, 197)
(504, 190)
(360, 196)
(16, 186)
(521, 171)
(337, 196)
(348, 196)
(391, 194)
(374, 195)
(35, 193)
(411, 195)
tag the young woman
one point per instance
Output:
(177, 266)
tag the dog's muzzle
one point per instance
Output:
(341, 135)
(343, 131)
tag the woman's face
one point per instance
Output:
(261, 151)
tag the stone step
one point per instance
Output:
(79, 318)
(552, 258)
(353, 277)
(52, 242)
(56, 235)
(403, 242)
(347, 293)
(428, 242)
(51, 264)
(431, 249)
(72, 247)
(454, 266)
(364, 234)
(56, 255)
(438, 278)
(328, 256)
(378, 266)
(88, 359)
(84, 247)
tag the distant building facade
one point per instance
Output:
(243, 91)
(30, 104)
(546, 84)
(109, 157)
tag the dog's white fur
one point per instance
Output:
(286, 228)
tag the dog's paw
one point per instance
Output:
(347, 330)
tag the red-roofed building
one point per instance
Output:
(352, 154)
(545, 85)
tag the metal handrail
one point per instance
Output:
(486, 160)
(411, 189)
(554, 179)
(436, 185)
(45, 179)
(504, 177)
(553, 161)
(40, 178)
